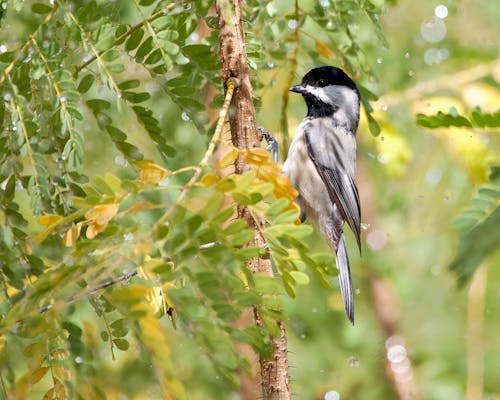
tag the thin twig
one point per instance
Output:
(101, 286)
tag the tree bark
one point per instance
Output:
(274, 372)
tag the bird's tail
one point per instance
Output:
(342, 262)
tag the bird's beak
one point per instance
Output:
(297, 89)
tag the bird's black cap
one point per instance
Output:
(325, 76)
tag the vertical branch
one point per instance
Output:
(274, 372)
(475, 328)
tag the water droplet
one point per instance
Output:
(436, 269)
(433, 175)
(443, 53)
(78, 360)
(121, 161)
(3, 48)
(365, 226)
(441, 11)
(382, 158)
(7, 96)
(329, 25)
(293, 24)
(332, 395)
(195, 37)
(376, 239)
(396, 353)
(185, 117)
(128, 236)
(431, 56)
(270, 64)
(433, 29)
(353, 362)
(379, 60)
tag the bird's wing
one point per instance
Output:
(334, 155)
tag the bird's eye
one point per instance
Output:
(321, 83)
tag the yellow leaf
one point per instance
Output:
(323, 49)
(152, 173)
(102, 213)
(72, 234)
(209, 180)
(154, 295)
(27, 248)
(51, 222)
(43, 235)
(49, 219)
(141, 206)
(256, 156)
(228, 158)
(50, 395)
(99, 217)
(38, 374)
(62, 372)
(94, 229)
(60, 390)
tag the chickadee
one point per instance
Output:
(321, 163)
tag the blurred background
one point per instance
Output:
(417, 335)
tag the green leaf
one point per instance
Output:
(86, 83)
(129, 84)
(300, 278)
(116, 68)
(134, 40)
(105, 43)
(144, 49)
(475, 245)
(111, 55)
(39, 8)
(97, 105)
(116, 134)
(121, 344)
(9, 191)
(136, 97)
(154, 57)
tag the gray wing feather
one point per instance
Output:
(333, 154)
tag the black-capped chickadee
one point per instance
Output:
(321, 163)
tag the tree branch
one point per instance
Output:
(274, 372)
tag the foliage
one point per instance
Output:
(478, 225)
(453, 118)
(119, 278)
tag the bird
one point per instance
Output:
(321, 164)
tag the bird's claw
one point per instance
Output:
(272, 143)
